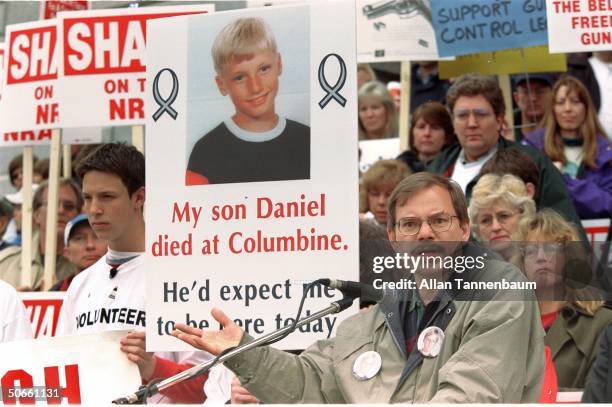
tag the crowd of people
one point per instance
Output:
(519, 194)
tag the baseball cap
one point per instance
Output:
(17, 197)
(547, 78)
(72, 224)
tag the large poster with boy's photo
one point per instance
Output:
(251, 168)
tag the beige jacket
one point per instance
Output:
(493, 352)
(10, 265)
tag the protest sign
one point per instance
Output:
(371, 151)
(579, 25)
(60, 370)
(103, 65)
(471, 26)
(263, 195)
(43, 309)
(29, 107)
(512, 61)
(596, 229)
(395, 31)
(50, 8)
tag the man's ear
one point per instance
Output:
(391, 234)
(530, 189)
(138, 198)
(221, 85)
(515, 96)
(501, 121)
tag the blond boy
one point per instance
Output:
(255, 143)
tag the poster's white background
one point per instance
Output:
(401, 39)
(563, 38)
(333, 173)
(374, 150)
(18, 105)
(105, 373)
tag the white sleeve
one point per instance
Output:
(218, 386)
(14, 322)
(65, 323)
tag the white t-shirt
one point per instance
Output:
(464, 171)
(95, 303)
(14, 322)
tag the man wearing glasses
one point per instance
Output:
(533, 96)
(476, 104)
(69, 205)
(491, 351)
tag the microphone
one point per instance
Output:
(353, 289)
(113, 272)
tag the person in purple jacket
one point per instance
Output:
(574, 139)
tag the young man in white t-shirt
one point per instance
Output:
(110, 295)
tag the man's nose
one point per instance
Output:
(426, 233)
(93, 207)
(90, 243)
(472, 122)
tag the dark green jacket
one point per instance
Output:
(573, 340)
(551, 193)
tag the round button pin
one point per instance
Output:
(430, 341)
(367, 365)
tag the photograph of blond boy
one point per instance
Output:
(255, 143)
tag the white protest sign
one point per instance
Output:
(262, 193)
(395, 31)
(102, 72)
(83, 369)
(29, 107)
(43, 308)
(82, 135)
(371, 151)
(579, 25)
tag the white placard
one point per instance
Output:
(82, 135)
(374, 150)
(205, 242)
(29, 106)
(395, 31)
(102, 73)
(579, 25)
(89, 377)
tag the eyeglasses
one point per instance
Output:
(463, 115)
(531, 250)
(411, 225)
(502, 218)
(67, 205)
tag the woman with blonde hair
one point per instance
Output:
(497, 204)
(376, 186)
(365, 74)
(574, 139)
(573, 313)
(377, 115)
